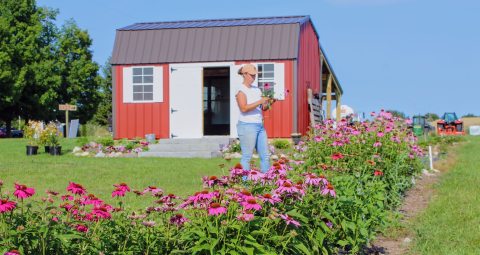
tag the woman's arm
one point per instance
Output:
(242, 102)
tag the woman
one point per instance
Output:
(250, 128)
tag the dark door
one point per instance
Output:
(216, 101)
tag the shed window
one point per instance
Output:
(142, 83)
(266, 75)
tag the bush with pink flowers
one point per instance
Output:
(330, 197)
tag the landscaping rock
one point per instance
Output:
(77, 149)
(100, 155)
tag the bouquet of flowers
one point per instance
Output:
(268, 92)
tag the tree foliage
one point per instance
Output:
(431, 116)
(103, 116)
(42, 65)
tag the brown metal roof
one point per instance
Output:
(206, 44)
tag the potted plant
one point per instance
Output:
(44, 140)
(296, 138)
(32, 132)
(52, 139)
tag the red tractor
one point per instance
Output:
(450, 125)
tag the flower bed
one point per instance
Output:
(110, 148)
(330, 197)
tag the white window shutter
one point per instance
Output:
(158, 84)
(279, 85)
(127, 85)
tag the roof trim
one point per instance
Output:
(300, 19)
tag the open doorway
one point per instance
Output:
(216, 101)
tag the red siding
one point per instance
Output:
(138, 119)
(308, 73)
(278, 120)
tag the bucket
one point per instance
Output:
(474, 130)
(150, 138)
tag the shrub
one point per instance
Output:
(106, 141)
(281, 144)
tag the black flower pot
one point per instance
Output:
(55, 150)
(47, 149)
(32, 150)
(296, 138)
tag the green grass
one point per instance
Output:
(451, 223)
(43, 171)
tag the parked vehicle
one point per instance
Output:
(14, 132)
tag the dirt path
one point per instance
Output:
(416, 200)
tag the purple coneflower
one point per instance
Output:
(76, 188)
(251, 204)
(289, 220)
(178, 219)
(329, 190)
(6, 205)
(216, 209)
(22, 191)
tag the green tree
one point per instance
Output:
(79, 73)
(103, 115)
(469, 115)
(22, 44)
(396, 113)
(431, 116)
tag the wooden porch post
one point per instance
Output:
(329, 96)
(339, 105)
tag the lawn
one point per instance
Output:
(451, 223)
(43, 171)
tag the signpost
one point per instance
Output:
(67, 108)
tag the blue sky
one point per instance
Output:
(415, 56)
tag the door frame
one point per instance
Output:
(195, 65)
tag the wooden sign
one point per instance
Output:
(67, 107)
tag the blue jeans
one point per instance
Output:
(253, 135)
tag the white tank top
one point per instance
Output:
(253, 94)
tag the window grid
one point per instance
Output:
(142, 83)
(266, 74)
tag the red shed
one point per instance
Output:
(177, 79)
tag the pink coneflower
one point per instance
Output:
(55, 219)
(120, 190)
(22, 191)
(154, 190)
(337, 156)
(251, 204)
(395, 139)
(237, 170)
(81, 228)
(91, 200)
(377, 144)
(380, 134)
(254, 175)
(328, 190)
(312, 179)
(204, 195)
(67, 197)
(318, 139)
(286, 187)
(76, 188)
(6, 205)
(51, 192)
(149, 223)
(323, 179)
(270, 199)
(245, 216)
(12, 252)
(289, 220)
(102, 211)
(377, 173)
(210, 181)
(216, 209)
(178, 219)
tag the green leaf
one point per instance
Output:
(303, 248)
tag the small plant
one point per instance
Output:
(281, 144)
(32, 132)
(50, 135)
(233, 147)
(106, 141)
